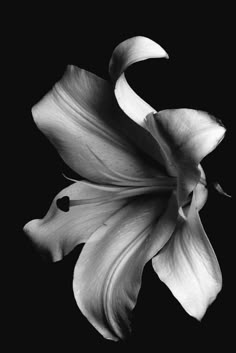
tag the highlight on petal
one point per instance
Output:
(185, 137)
(107, 276)
(188, 266)
(125, 54)
(79, 118)
(59, 232)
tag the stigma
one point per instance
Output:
(63, 203)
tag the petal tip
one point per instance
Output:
(28, 227)
(34, 110)
(33, 231)
(133, 50)
(199, 310)
(70, 69)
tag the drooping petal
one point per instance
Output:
(79, 118)
(107, 276)
(185, 137)
(188, 265)
(59, 232)
(125, 54)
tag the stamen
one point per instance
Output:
(89, 201)
(71, 179)
(65, 202)
(218, 188)
(215, 186)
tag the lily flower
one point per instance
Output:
(140, 197)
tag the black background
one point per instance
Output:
(42, 311)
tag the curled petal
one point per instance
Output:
(185, 137)
(79, 118)
(188, 265)
(131, 51)
(59, 232)
(125, 54)
(107, 276)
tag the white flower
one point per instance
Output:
(143, 187)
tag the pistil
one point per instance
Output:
(65, 202)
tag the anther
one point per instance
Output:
(63, 203)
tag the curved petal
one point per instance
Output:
(59, 232)
(79, 118)
(125, 54)
(185, 137)
(201, 191)
(188, 265)
(107, 276)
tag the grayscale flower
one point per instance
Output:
(140, 196)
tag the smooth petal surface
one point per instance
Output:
(185, 137)
(201, 191)
(59, 232)
(188, 265)
(107, 276)
(125, 54)
(79, 118)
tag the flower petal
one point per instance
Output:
(200, 191)
(79, 117)
(107, 276)
(59, 232)
(188, 265)
(125, 54)
(185, 137)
